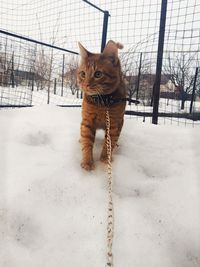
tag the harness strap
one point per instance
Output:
(108, 100)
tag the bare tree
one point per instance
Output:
(5, 64)
(70, 77)
(41, 70)
(44, 65)
(136, 70)
(180, 70)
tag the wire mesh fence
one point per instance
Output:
(35, 74)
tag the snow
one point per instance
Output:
(24, 96)
(53, 213)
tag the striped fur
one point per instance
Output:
(100, 74)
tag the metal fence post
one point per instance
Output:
(105, 29)
(54, 91)
(32, 82)
(156, 87)
(48, 95)
(193, 89)
(138, 79)
(63, 73)
(12, 77)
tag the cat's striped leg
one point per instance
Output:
(87, 141)
(114, 135)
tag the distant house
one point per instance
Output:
(27, 75)
(21, 76)
(167, 88)
(147, 82)
(165, 83)
(24, 75)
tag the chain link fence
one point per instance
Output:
(39, 53)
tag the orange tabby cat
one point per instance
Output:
(100, 78)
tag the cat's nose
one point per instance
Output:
(86, 85)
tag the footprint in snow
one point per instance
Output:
(36, 139)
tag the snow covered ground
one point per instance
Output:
(53, 213)
(24, 96)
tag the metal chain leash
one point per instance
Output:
(110, 219)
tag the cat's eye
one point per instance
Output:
(98, 74)
(82, 74)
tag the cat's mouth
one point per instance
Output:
(92, 92)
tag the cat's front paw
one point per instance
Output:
(88, 166)
(104, 158)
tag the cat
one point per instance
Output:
(100, 78)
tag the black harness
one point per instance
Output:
(109, 100)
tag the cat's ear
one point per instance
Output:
(111, 51)
(83, 52)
